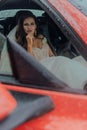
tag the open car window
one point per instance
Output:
(22, 66)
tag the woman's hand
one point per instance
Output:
(29, 39)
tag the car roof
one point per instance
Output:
(80, 5)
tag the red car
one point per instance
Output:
(37, 99)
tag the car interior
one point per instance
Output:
(58, 42)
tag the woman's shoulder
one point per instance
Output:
(43, 38)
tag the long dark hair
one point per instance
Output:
(20, 33)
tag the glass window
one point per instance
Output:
(10, 13)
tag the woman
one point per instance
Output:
(72, 72)
(28, 36)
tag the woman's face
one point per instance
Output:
(29, 26)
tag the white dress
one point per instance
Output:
(71, 72)
(42, 53)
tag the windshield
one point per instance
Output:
(10, 13)
(81, 5)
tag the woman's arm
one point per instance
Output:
(50, 52)
(29, 44)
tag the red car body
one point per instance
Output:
(73, 16)
(70, 111)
